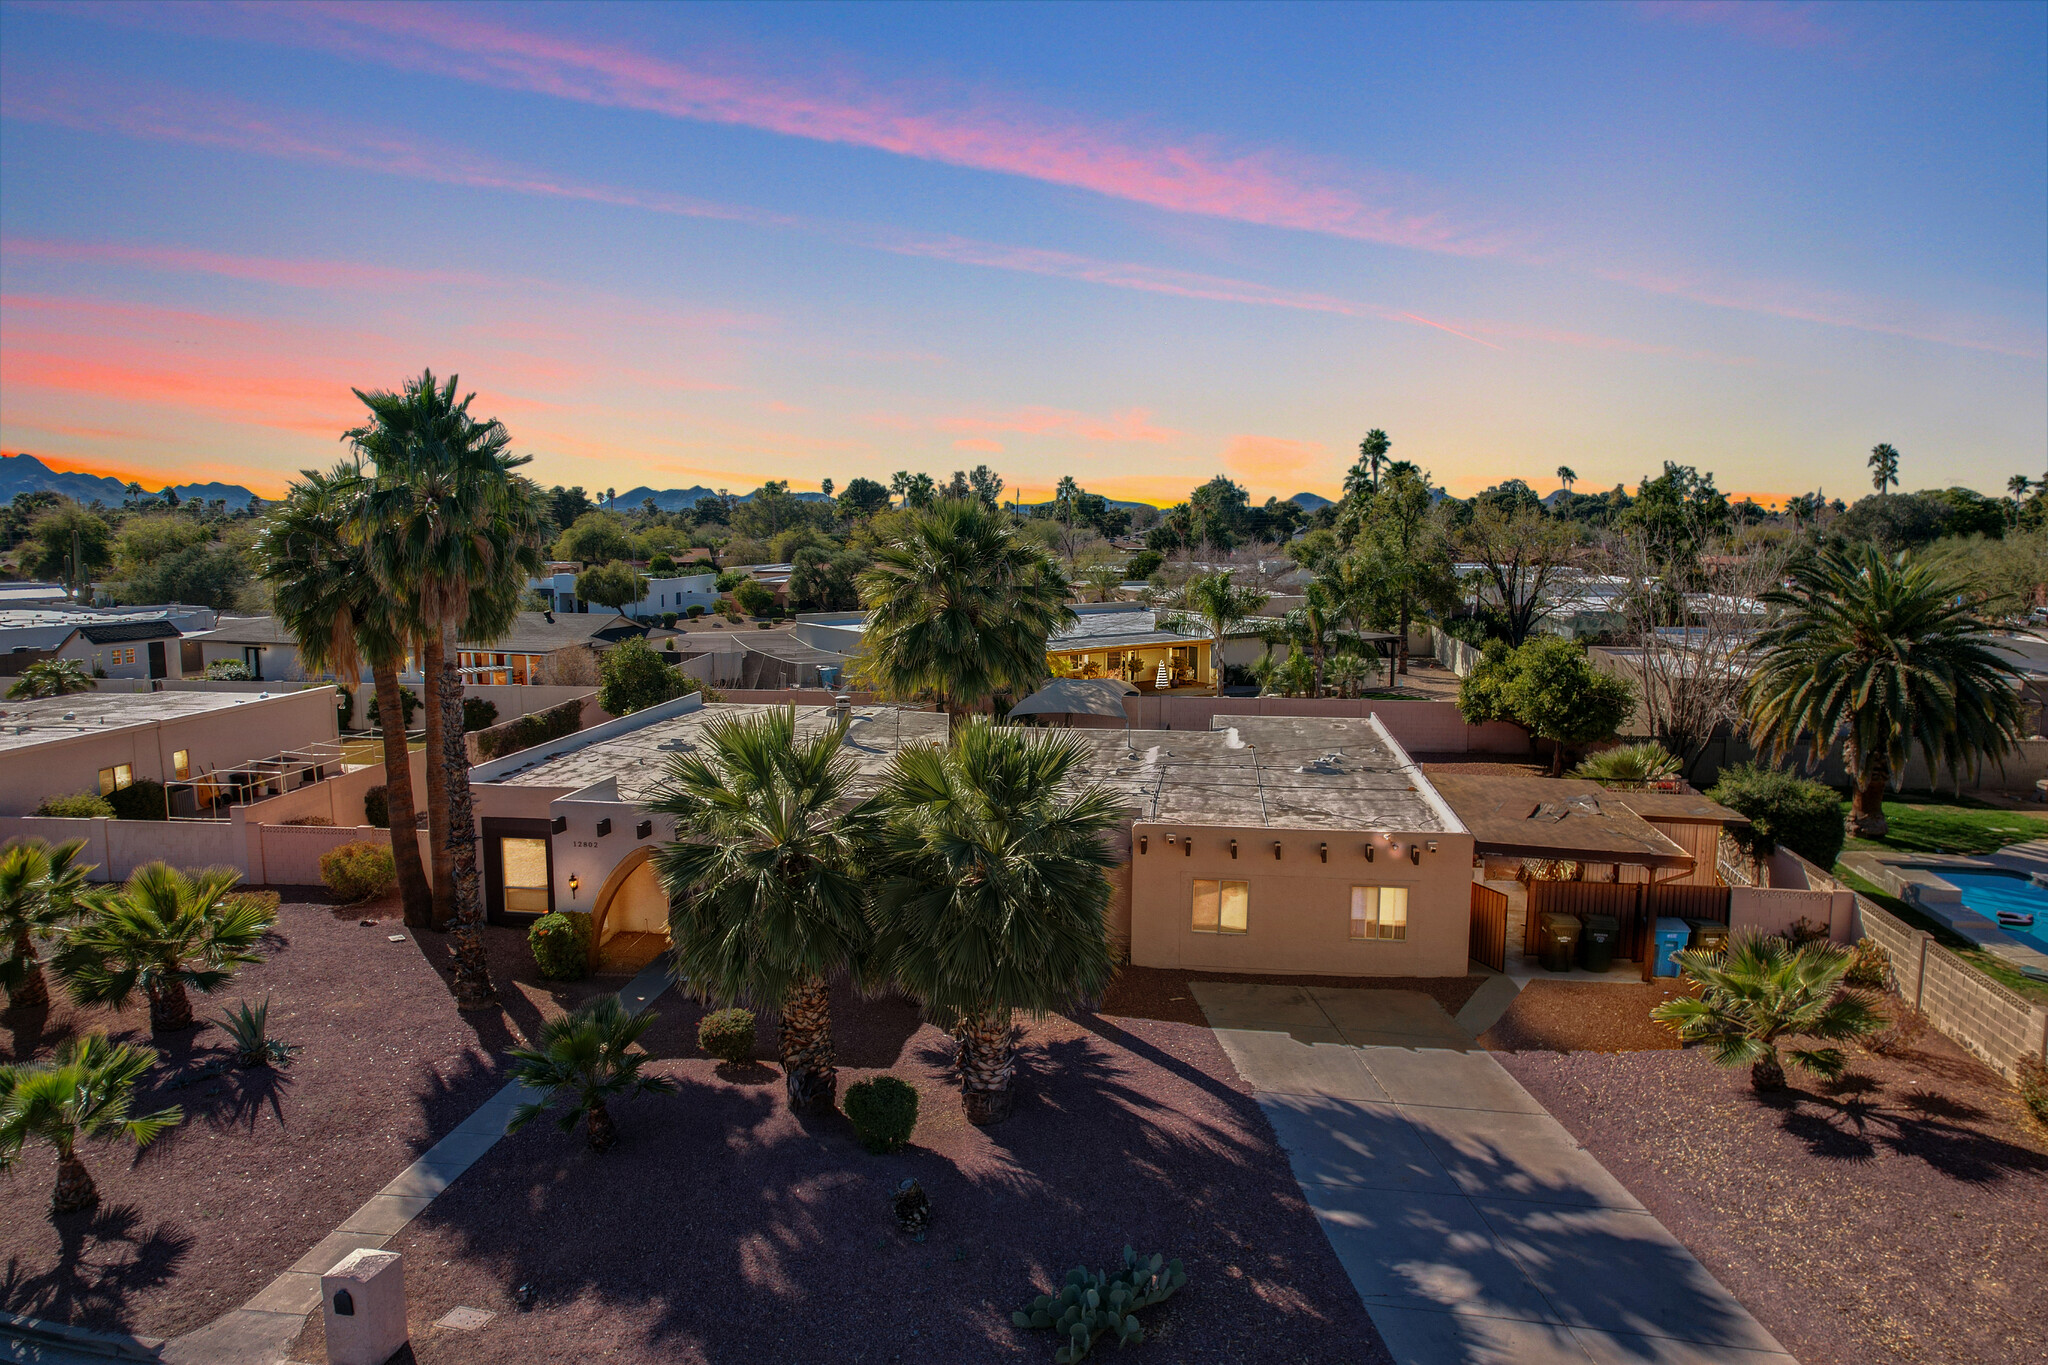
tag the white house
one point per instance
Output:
(677, 593)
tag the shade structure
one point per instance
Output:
(1077, 697)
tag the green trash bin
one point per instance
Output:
(1709, 934)
(1558, 939)
(1596, 942)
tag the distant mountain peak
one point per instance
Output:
(24, 473)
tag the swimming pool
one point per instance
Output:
(1990, 892)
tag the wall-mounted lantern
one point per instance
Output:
(575, 885)
(1432, 845)
(1187, 847)
(1415, 854)
(1368, 852)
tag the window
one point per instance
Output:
(181, 764)
(114, 778)
(1379, 912)
(526, 875)
(1220, 907)
(130, 658)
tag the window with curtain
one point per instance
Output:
(1379, 912)
(1221, 907)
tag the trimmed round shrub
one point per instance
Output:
(358, 871)
(696, 609)
(558, 947)
(1783, 809)
(377, 807)
(142, 799)
(883, 1110)
(668, 620)
(728, 1035)
(76, 806)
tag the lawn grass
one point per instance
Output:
(1990, 964)
(1927, 823)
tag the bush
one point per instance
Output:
(883, 1111)
(728, 1035)
(1872, 969)
(754, 597)
(358, 871)
(696, 609)
(319, 820)
(228, 670)
(77, 806)
(142, 799)
(407, 702)
(1799, 813)
(377, 807)
(635, 678)
(2033, 1087)
(566, 718)
(561, 947)
(1629, 765)
(668, 620)
(478, 713)
(1143, 564)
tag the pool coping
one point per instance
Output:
(1942, 900)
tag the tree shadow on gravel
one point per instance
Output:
(30, 1030)
(106, 1256)
(1924, 1125)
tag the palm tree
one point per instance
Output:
(1364, 476)
(588, 1057)
(1223, 606)
(1762, 990)
(960, 606)
(84, 1091)
(51, 678)
(1311, 628)
(1884, 466)
(764, 892)
(325, 594)
(454, 532)
(164, 932)
(1890, 655)
(1566, 477)
(996, 889)
(39, 893)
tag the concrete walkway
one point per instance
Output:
(1474, 1227)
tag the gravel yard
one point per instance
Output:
(1585, 1016)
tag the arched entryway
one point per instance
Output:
(629, 918)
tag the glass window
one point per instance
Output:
(181, 764)
(1221, 907)
(526, 875)
(1379, 912)
(114, 778)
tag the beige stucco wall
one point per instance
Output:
(1299, 915)
(102, 657)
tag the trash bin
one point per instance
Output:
(1596, 942)
(1671, 934)
(1559, 938)
(1709, 934)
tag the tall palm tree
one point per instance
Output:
(1222, 606)
(326, 595)
(1566, 477)
(1884, 466)
(765, 899)
(39, 894)
(84, 1091)
(454, 532)
(588, 1058)
(51, 678)
(165, 933)
(1885, 652)
(1364, 477)
(960, 606)
(1762, 990)
(996, 887)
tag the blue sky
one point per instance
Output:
(1138, 244)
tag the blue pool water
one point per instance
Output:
(1990, 892)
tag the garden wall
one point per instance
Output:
(1455, 654)
(1962, 1003)
(118, 847)
(1796, 890)
(289, 855)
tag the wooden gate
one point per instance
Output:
(1489, 927)
(1637, 905)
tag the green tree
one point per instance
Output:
(1679, 511)
(1890, 656)
(71, 545)
(164, 933)
(1761, 992)
(861, 499)
(824, 579)
(1521, 557)
(1364, 477)
(212, 575)
(1566, 478)
(959, 607)
(998, 881)
(1550, 686)
(755, 597)
(51, 678)
(588, 1059)
(40, 887)
(634, 678)
(1884, 466)
(594, 538)
(1785, 810)
(764, 880)
(1217, 513)
(616, 585)
(1405, 547)
(1222, 605)
(917, 490)
(85, 1091)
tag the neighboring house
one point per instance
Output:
(125, 642)
(676, 593)
(258, 643)
(521, 654)
(126, 649)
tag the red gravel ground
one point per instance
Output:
(1585, 1016)
(720, 1228)
(266, 1163)
(1163, 994)
(1899, 1215)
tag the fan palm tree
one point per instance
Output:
(1760, 991)
(1364, 476)
(1566, 477)
(51, 678)
(960, 606)
(588, 1058)
(165, 933)
(324, 593)
(763, 881)
(996, 887)
(1884, 466)
(39, 894)
(1890, 655)
(83, 1092)
(1222, 606)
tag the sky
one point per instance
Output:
(1141, 245)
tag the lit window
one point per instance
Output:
(1379, 912)
(181, 764)
(114, 778)
(526, 875)
(1221, 907)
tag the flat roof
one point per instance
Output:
(1523, 816)
(24, 724)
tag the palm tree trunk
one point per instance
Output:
(1767, 1073)
(74, 1190)
(170, 1009)
(1871, 776)
(987, 1062)
(413, 887)
(437, 782)
(473, 989)
(602, 1130)
(29, 991)
(808, 1072)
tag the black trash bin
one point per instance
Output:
(1558, 938)
(1709, 934)
(1596, 942)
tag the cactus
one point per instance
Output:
(1091, 1303)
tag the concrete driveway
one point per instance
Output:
(1474, 1227)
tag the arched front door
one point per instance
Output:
(629, 919)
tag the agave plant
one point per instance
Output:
(39, 892)
(586, 1057)
(83, 1092)
(1629, 765)
(164, 933)
(1761, 991)
(248, 1026)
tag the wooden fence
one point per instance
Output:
(1490, 927)
(1637, 905)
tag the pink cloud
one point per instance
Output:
(1132, 426)
(978, 445)
(296, 274)
(1265, 458)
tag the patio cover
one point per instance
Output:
(1077, 697)
(1523, 816)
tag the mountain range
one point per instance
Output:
(26, 474)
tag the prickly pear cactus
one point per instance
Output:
(1091, 1303)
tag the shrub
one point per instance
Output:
(358, 871)
(248, 1028)
(1628, 765)
(883, 1111)
(635, 678)
(142, 799)
(727, 1035)
(2032, 1081)
(1091, 1303)
(1796, 812)
(478, 713)
(560, 946)
(1872, 968)
(696, 610)
(228, 670)
(566, 718)
(313, 820)
(377, 807)
(407, 703)
(76, 806)
(668, 620)
(754, 597)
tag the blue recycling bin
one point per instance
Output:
(1672, 935)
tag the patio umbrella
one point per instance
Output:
(1077, 697)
